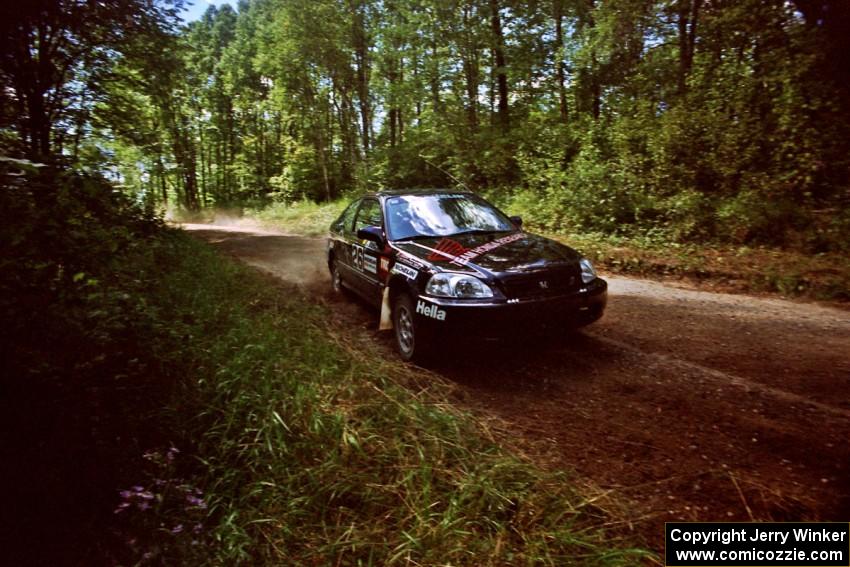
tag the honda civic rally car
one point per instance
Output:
(445, 264)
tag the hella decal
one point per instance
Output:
(431, 311)
(406, 271)
(370, 264)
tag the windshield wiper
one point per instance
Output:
(412, 237)
(481, 231)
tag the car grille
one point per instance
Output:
(541, 284)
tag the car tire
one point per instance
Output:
(338, 287)
(411, 340)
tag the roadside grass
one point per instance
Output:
(301, 217)
(824, 276)
(171, 406)
(290, 449)
(723, 267)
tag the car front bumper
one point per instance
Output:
(504, 319)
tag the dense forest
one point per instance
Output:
(707, 120)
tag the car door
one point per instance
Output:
(343, 240)
(365, 254)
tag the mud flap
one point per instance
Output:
(386, 322)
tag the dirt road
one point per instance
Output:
(683, 404)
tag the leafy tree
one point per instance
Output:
(681, 118)
(55, 58)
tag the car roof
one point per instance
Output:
(417, 191)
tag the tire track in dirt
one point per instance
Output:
(680, 404)
(723, 378)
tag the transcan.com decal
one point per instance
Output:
(473, 253)
(449, 250)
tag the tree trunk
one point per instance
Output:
(435, 77)
(500, 63)
(361, 55)
(560, 67)
(592, 74)
(470, 71)
(687, 26)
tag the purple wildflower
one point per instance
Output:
(196, 502)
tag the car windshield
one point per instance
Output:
(442, 214)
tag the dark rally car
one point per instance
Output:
(444, 264)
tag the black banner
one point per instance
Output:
(741, 544)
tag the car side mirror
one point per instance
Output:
(373, 233)
(517, 220)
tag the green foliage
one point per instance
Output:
(75, 377)
(702, 121)
(236, 424)
(300, 217)
(57, 61)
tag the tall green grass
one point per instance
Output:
(301, 217)
(305, 451)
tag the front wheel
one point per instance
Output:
(410, 340)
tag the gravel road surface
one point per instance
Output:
(683, 404)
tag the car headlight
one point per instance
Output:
(588, 274)
(457, 285)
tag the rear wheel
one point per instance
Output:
(336, 279)
(410, 339)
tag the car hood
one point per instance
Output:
(491, 253)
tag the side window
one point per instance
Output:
(368, 215)
(346, 219)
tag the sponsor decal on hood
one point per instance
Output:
(452, 251)
(446, 250)
(516, 251)
(473, 253)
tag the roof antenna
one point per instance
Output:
(452, 177)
